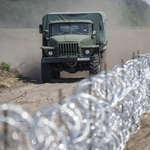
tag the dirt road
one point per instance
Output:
(23, 46)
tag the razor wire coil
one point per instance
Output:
(102, 115)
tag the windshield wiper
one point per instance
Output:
(61, 33)
(76, 32)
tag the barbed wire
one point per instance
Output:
(102, 115)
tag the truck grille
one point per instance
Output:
(68, 49)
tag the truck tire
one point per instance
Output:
(56, 74)
(46, 72)
(94, 65)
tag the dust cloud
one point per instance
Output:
(22, 46)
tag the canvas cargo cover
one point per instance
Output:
(96, 17)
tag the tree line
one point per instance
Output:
(138, 12)
(28, 13)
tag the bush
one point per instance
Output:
(5, 66)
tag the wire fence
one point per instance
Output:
(102, 115)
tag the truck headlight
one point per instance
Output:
(87, 52)
(50, 53)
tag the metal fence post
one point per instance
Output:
(5, 126)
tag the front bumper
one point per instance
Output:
(67, 59)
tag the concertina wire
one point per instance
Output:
(105, 110)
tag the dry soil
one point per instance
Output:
(22, 46)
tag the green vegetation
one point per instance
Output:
(138, 12)
(28, 13)
(5, 66)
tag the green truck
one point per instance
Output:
(72, 42)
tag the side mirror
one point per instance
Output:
(101, 26)
(40, 28)
(46, 34)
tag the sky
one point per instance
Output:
(148, 1)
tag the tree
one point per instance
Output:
(138, 10)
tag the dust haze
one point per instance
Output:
(22, 46)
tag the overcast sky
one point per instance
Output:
(148, 1)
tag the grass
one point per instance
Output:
(5, 66)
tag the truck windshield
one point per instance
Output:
(70, 28)
(80, 28)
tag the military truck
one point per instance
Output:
(72, 42)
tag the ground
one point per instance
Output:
(21, 47)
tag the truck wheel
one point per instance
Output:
(94, 65)
(46, 72)
(56, 74)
